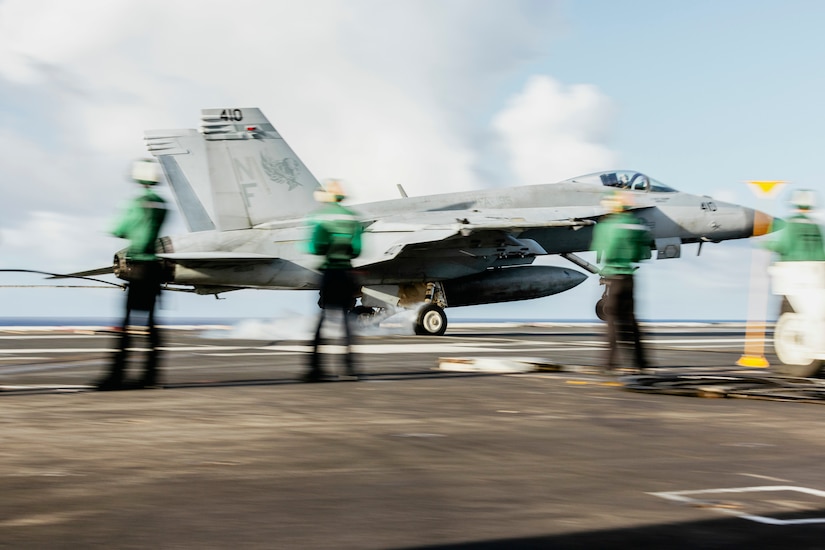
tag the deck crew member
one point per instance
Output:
(140, 223)
(621, 240)
(335, 234)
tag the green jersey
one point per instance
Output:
(800, 240)
(335, 232)
(621, 240)
(141, 224)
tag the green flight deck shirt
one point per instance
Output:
(335, 233)
(621, 240)
(141, 224)
(800, 240)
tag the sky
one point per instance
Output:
(435, 95)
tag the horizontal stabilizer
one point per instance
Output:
(219, 260)
(89, 273)
(82, 275)
(183, 257)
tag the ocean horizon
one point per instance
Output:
(44, 321)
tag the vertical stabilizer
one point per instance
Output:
(236, 172)
(255, 175)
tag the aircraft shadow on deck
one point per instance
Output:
(21, 390)
(712, 533)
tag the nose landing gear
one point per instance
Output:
(600, 309)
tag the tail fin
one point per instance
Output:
(182, 155)
(236, 173)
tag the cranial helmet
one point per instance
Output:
(334, 192)
(803, 199)
(146, 172)
(615, 202)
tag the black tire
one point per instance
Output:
(430, 321)
(600, 313)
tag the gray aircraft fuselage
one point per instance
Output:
(670, 216)
(245, 196)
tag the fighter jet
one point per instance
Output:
(245, 196)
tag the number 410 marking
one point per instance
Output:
(232, 114)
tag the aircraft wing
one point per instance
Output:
(509, 220)
(472, 232)
(518, 226)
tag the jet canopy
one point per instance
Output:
(623, 179)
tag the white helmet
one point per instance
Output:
(803, 199)
(333, 192)
(146, 171)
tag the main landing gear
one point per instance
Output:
(430, 320)
(427, 306)
(363, 315)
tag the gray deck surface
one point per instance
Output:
(235, 453)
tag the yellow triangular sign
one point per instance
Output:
(766, 189)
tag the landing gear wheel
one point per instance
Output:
(790, 343)
(430, 321)
(363, 315)
(600, 313)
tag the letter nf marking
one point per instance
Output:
(247, 194)
(246, 172)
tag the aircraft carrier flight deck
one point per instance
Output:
(493, 436)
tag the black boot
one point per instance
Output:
(150, 379)
(314, 375)
(352, 370)
(112, 382)
(315, 372)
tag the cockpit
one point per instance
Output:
(624, 179)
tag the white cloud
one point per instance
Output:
(56, 242)
(372, 92)
(553, 132)
(48, 33)
(368, 91)
(39, 176)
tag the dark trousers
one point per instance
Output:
(621, 320)
(338, 288)
(142, 295)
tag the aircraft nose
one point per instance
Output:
(762, 223)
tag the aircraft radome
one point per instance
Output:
(244, 195)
